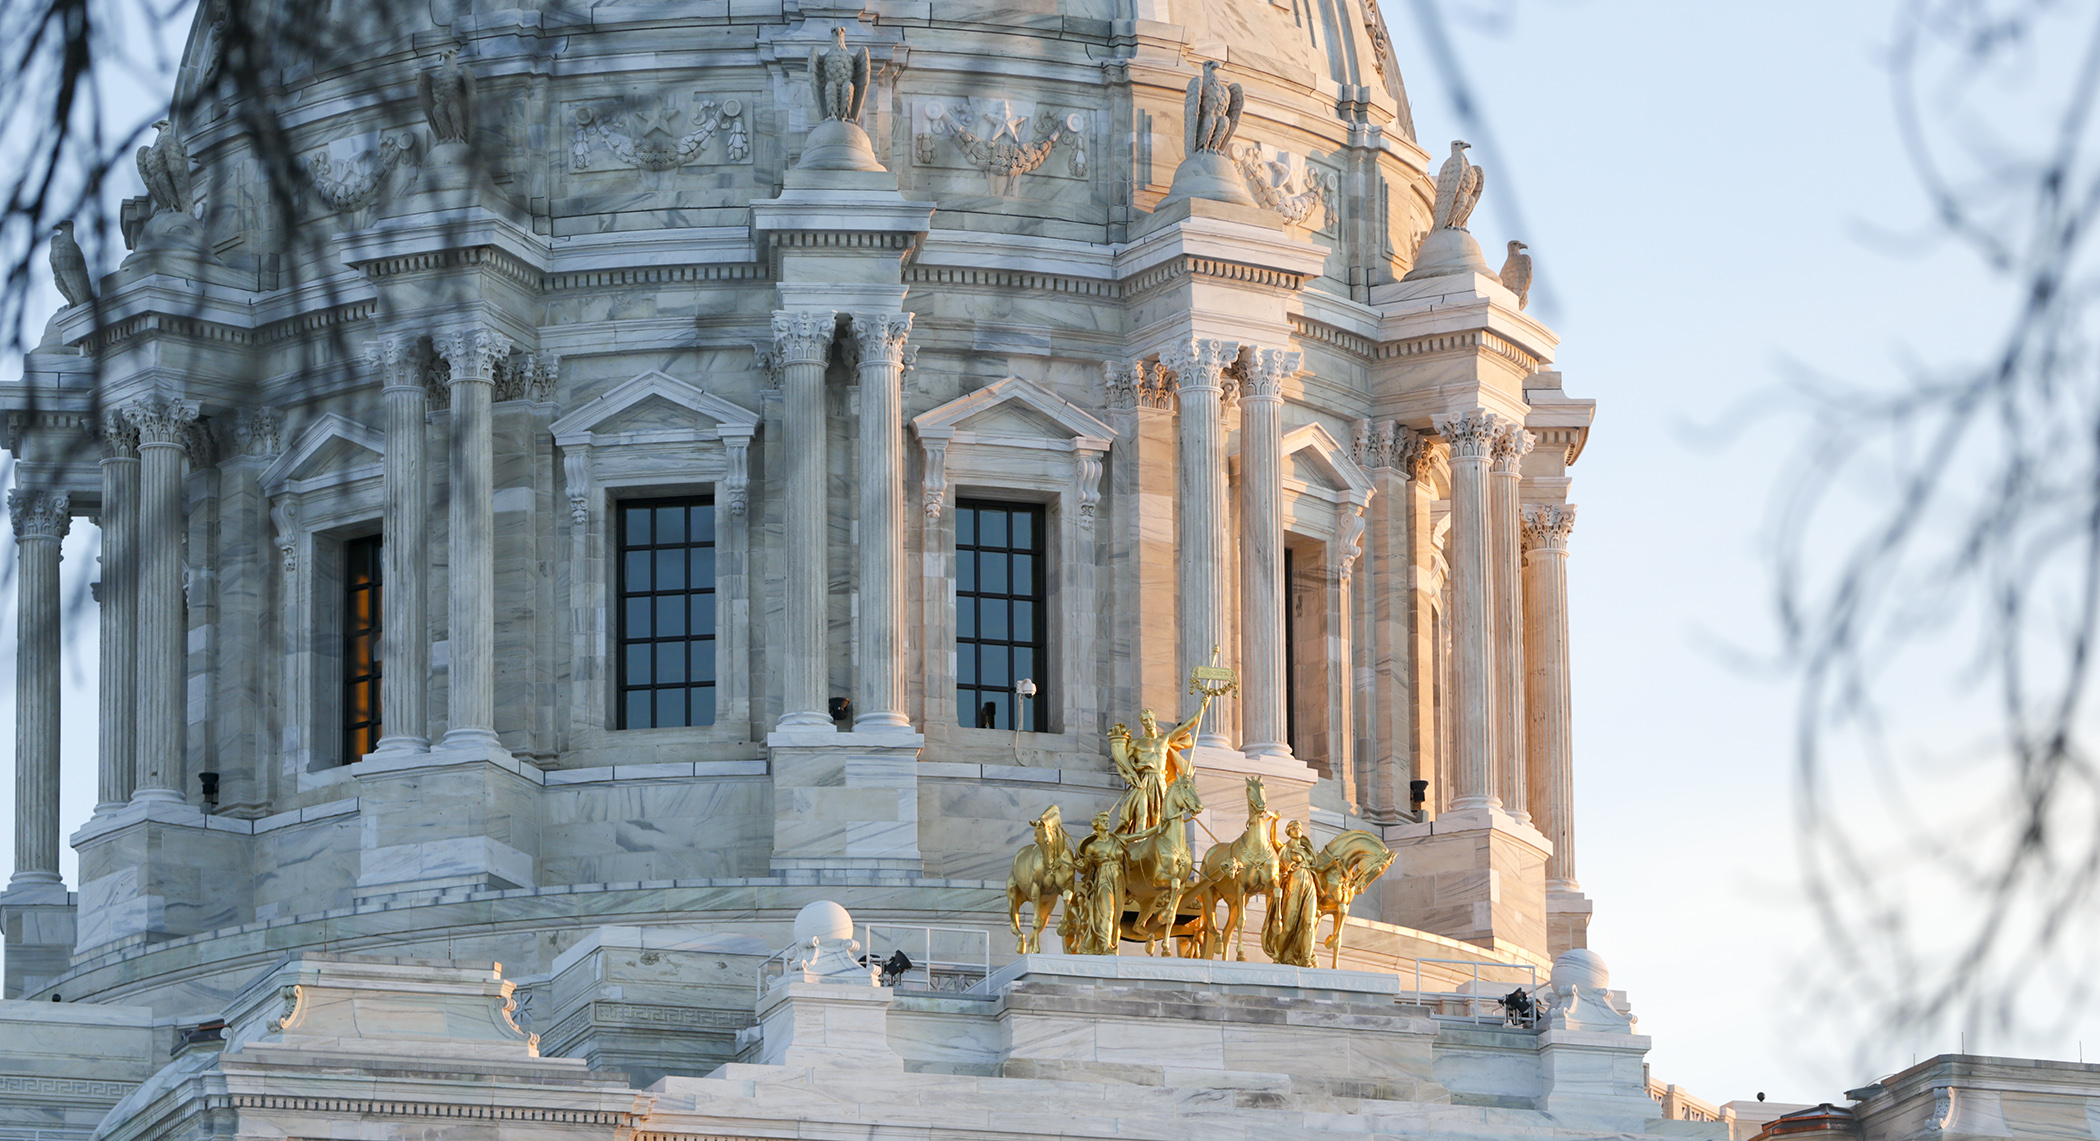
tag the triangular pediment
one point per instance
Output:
(334, 448)
(652, 407)
(1321, 462)
(1014, 409)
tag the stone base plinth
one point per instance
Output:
(38, 922)
(1595, 1074)
(648, 1002)
(1567, 921)
(450, 820)
(1478, 876)
(158, 870)
(826, 1025)
(845, 800)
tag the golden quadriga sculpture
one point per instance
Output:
(1133, 875)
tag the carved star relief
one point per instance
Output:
(1005, 122)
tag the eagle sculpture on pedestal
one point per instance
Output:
(1516, 273)
(164, 164)
(69, 266)
(838, 79)
(447, 92)
(1212, 111)
(1458, 184)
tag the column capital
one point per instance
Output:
(880, 337)
(120, 437)
(258, 432)
(1120, 382)
(1546, 526)
(1509, 448)
(162, 422)
(1267, 371)
(1472, 434)
(393, 357)
(1200, 362)
(39, 514)
(802, 336)
(472, 354)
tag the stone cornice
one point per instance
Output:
(1467, 342)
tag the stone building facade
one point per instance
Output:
(625, 500)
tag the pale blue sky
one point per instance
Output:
(1695, 177)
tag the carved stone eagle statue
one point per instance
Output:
(69, 266)
(1516, 273)
(447, 93)
(838, 79)
(1212, 111)
(1458, 185)
(164, 164)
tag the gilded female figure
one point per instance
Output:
(1097, 891)
(1289, 931)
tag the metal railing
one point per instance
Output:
(1481, 1005)
(942, 958)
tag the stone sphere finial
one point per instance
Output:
(823, 920)
(1580, 967)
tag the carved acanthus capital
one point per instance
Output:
(160, 421)
(1511, 445)
(258, 431)
(1471, 434)
(880, 337)
(1546, 525)
(1119, 384)
(39, 514)
(472, 354)
(804, 336)
(1200, 363)
(393, 361)
(767, 358)
(1268, 369)
(120, 437)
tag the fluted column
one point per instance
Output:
(1263, 723)
(802, 342)
(117, 742)
(878, 698)
(471, 693)
(41, 519)
(1471, 436)
(404, 683)
(1550, 739)
(1198, 366)
(1505, 507)
(163, 427)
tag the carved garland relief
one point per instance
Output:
(611, 133)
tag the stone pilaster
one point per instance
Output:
(41, 519)
(1198, 365)
(1471, 436)
(471, 689)
(1505, 507)
(1261, 553)
(802, 344)
(878, 699)
(163, 427)
(117, 752)
(404, 687)
(1143, 508)
(1549, 740)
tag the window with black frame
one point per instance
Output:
(363, 604)
(666, 607)
(1001, 624)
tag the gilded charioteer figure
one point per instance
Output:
(1149, 762)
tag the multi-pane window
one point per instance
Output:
(1000, 624)
(666, 591)
(362, 607)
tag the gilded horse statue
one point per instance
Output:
(1042, 872)
(1234, 872)
(1342, 870)
(1157, 865)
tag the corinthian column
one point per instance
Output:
(1471, 436)
(1551, 741)
(1504, 507)
(471, 700)
(118, 741)
(878, 699)
(404, 684)
(801, 342)
(163, 427)
(1198, 366)
(41, 519)
(1261, 553)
